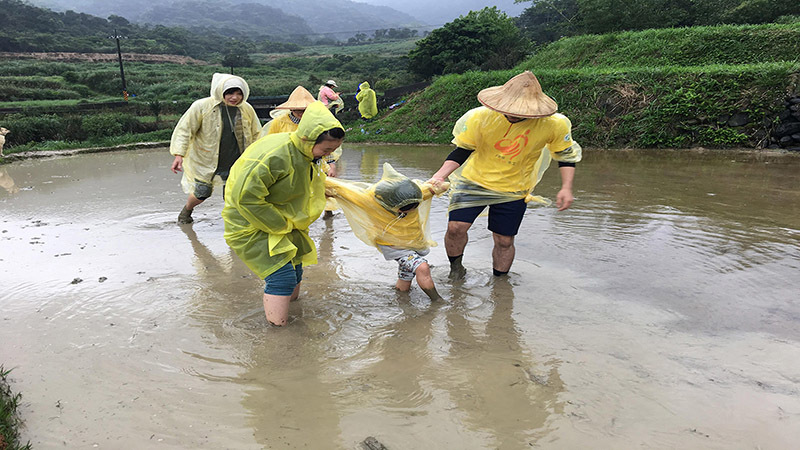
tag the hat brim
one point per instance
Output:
(521, 96)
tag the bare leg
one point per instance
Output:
(503, 252)
(455, 240)
(295, 293)
(186, 213)
(276, 308)
(425, 281)
(403, 285)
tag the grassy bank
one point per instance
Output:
(9, 420)
(695, 46)
(716, 87)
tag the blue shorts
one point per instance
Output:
(504, 218)
(283, 281)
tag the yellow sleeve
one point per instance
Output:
(561, 145)
(187, 126)
(336, 188)
(466, 130)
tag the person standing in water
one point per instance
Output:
(504, 146)
(275, 191)
(285, 119)
(210, 136)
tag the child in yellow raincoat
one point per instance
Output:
(392, 215)
(274, 192)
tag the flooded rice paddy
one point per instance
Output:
(660, 311)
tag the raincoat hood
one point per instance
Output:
(395, 191)
(316, 120)
(364, 85)
(221, 82)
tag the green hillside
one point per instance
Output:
(694, 46)
(687, 92)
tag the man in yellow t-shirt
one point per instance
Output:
(504, 147)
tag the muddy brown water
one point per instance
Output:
(660, 311)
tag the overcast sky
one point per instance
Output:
(437, 12)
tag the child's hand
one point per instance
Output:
(330, 192)
(438, 187)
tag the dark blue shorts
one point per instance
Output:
(504, 218)
(283, 281)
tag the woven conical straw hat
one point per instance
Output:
(300, 98)
(520, 96)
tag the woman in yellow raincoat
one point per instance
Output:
(275, 191)
(286, 117)
(367, 103)
(210, 136)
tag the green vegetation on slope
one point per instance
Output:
(695, 46)
(619, 98)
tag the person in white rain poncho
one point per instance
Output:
(503, 148)
(210, 136)
(392, 215)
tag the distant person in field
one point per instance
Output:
(329, 97)
(367, 101)
(503, 148)
(209, 138)
(3, 133)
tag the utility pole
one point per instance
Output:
(121, 70)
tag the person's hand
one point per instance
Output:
(332, 170)
(438, 182)
(564, 199)
(177, 164)
(438, 188)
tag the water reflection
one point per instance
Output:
(7, 183)
(289, 402)
(464, 368)
(492, 375)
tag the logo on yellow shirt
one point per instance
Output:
(512, 147)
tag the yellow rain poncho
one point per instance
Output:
(281, 123)
(373, 210)
(367, 103)
(196, 136)
(508, 160)
(274, 192)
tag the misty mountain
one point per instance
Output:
(287, 18)
(444, 11)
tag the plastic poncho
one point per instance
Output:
(281, 123)
(508, 160)
(373, 210)
(196, 136)
(367, 103)
(274, 192)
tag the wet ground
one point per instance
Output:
(661, 311)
